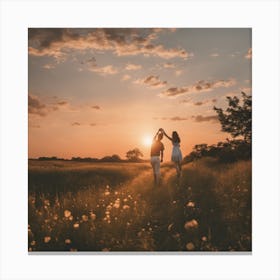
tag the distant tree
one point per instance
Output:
(116, 158)
(134, 155)
(237, 118)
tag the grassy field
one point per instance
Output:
(115, 207)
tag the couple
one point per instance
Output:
(157, 149)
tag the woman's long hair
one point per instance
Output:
(175, 137)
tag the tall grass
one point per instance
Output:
(115, 207)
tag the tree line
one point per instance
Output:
(236, 119)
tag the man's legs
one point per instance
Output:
(156, 170)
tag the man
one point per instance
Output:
(157, 156)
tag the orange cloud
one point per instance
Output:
(131, 67)
(200, 86)
(56, 42)
(200, 118)
(104, 71)
(152, 81)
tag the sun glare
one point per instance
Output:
(147, 140)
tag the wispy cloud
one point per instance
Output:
(126, 77)
(37, 107)
(104, 71)
(169, 65)
(62, 103)
(56, 42)
(178, 72)
(176, 118)
(198, 103)
(200, 86)
(200, 118)
(75, 124)
(96, 107)
(49, 66)
(132, 67)
(151, 81)
(214, 55)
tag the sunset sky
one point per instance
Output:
(98, 92)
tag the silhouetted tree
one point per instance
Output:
(237, 118)
(134, 155)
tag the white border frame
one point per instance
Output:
(17, 16)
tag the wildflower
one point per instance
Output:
(170, 227)
(67, 213)
(107, 193)
(191, 224)
(204, 238)
(47, 239)
(116, 205)
(190, 204)
(55, 217)
(76, 225)
(126, 207)
(93, 216)
(125, 200)
(190, 246)
(85, 218)
(67, 241)
(33, 243)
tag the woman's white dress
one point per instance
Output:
(176, 153)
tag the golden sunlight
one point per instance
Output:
(147, 140)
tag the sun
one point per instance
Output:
(147, 140)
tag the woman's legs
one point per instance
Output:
(178, 168)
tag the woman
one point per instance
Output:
(176, 156)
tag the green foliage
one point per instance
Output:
(237, 118)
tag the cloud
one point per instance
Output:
(200, 86)
(56, 42)
(200, 118)
(178, 72)
(176, 118)
(126, 77)
(131, 67)
(104, 71)
(49, 66)
(90, 62)
(151, 81)
(249, 54)
(76, 124)
(96, 107)
(169, 65)
(62, 103)
(36, 107)
(199, 103)
(214, 55)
